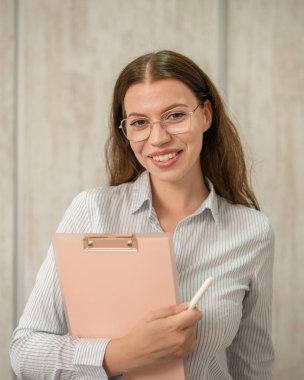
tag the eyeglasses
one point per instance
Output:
(175, 121)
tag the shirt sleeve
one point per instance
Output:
(41, 347)
(251, 354)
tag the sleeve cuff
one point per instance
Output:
(88, 359)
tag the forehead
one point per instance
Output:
(147, 95)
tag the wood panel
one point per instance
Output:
(266, 92)
(6, 182)
(70, 54)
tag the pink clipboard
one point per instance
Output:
(110, 281)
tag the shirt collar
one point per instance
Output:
(210, 203)
(142, 194)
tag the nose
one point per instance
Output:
(158, 135)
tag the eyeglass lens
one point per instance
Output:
(174, 121)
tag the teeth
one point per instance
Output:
(164, 157)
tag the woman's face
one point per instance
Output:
(168, 157)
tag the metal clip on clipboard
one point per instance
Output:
(114, 243)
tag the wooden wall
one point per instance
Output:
(266, 92)
(59, 61)
(7, 180)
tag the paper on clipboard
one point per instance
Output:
(109, 282)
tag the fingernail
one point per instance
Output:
(183, 306)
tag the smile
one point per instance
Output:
(164, 157)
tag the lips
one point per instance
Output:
(164, 157)
(164, 152)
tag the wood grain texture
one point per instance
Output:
(6, 182)
(70, 55)
(266, 92)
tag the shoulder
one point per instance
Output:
(250, 229)
(101, 196)
(91, 205)
(245, 219)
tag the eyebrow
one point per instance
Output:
(171, 106)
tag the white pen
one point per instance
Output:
(200, 293)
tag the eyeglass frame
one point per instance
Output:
(151, 123)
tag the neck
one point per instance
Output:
(178, 199)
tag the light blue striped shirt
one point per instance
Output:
(232, 243)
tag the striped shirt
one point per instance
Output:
(232, 243)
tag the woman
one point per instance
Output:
(176, 164)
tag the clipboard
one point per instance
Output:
(110, 281)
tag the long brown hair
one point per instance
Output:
(222, 156)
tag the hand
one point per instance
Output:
(160, 337)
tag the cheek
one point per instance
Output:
(138, 149)
(194, 142)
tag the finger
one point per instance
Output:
(192, 346)
(190, 332)
(164, 312)
(185, 319)
(192, 338)
(187, 341)
(187, 335)
(183, 306)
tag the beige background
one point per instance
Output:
(58, 63)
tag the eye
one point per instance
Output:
(138, 123)
(175, 116)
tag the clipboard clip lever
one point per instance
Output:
(110, 242)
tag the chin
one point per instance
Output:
(169, 177)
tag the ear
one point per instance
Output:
(207, 115)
